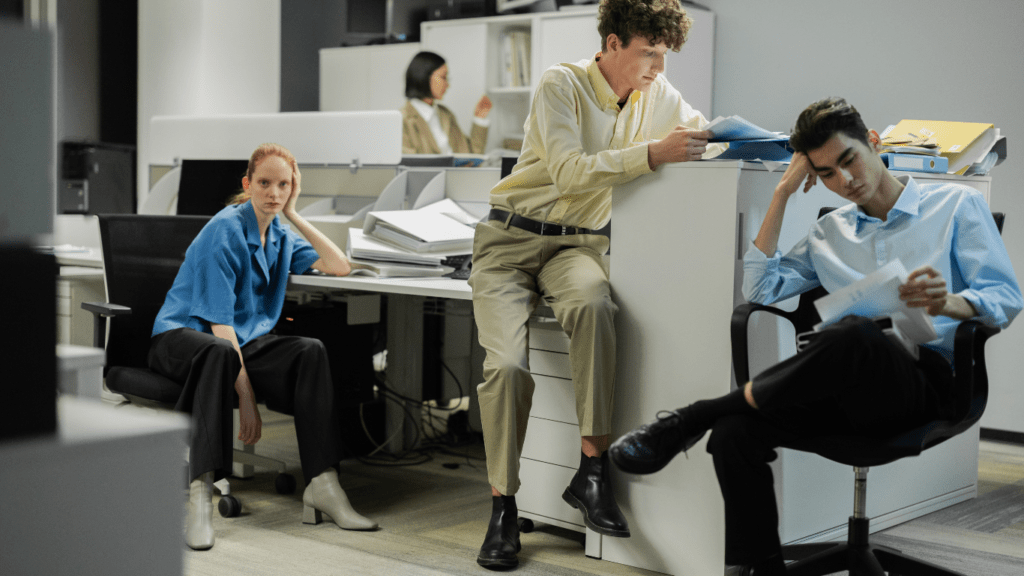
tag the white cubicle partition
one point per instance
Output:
(313, 137)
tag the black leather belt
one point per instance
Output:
(542, 228)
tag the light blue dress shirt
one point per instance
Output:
(228, 277)
(947, 226)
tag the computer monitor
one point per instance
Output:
(206, 185)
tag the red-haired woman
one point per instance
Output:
(213, 335)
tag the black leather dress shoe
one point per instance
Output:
(591, 493)
(651, 447)
(501, 544)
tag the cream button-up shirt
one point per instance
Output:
(579, 144)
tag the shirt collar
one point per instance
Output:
(427, 111)
(908, 203)
(603, 90)
(265, 256)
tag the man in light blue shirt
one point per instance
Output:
(852, 379)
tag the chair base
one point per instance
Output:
(858, 556)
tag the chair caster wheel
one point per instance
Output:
(229, 506)
(525, 525)
(284, 483)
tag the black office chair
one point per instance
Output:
(141, 257)
(858, 554)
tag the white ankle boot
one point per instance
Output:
(199, 524)
(325, 496)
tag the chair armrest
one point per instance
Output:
(971, 375)
(101, 311)
(106, 308)
(738, 334)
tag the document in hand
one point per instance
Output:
(963, 143)
(420, 230)
(747, 141)
(876, 296)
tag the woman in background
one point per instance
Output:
(213, 335)
(429, 127)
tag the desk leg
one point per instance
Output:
(405, 367)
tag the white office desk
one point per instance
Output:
(426, 287)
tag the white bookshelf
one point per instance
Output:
(472, 49)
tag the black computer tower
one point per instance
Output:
(96, 178)
(350, 350)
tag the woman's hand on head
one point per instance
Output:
(296, 190)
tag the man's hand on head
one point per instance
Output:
(800, 170)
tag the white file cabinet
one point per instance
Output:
(77, 284)
(551, 454)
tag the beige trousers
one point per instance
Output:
(512, 270)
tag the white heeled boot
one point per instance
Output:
(199, 525)
(325, 496)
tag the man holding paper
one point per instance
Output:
(593, 124)
(851, 379)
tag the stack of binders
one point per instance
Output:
(411, 242)
(941, 146)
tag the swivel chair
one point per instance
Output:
(141, 257)
(858, 555)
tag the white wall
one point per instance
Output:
(923, 59)
(203, 57)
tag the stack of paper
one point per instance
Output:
(909, 151)
(747, 141)
(371, 257)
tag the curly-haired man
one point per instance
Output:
(593, 124)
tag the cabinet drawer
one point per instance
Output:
(548, 336)
(554, 399)
(541, 492)
(552, 442)
(554, 364)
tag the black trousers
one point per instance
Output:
(853, 381)
(290, 374)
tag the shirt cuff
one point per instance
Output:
(634, 160)
(755, 256)
(985, 313)
(482, 122)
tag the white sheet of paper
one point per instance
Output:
(875, 295)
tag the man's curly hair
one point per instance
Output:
(657, 20)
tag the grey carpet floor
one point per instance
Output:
(433, 515)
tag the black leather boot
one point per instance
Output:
(502, 540)
(591, 493)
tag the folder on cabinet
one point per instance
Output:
(961, 143)
(915, 162)
(748, 141)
